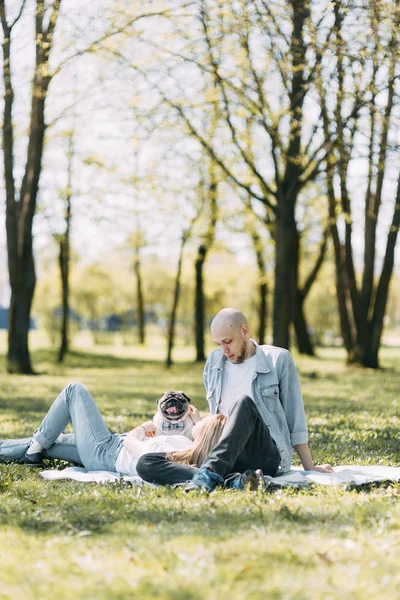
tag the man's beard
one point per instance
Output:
(241, 357)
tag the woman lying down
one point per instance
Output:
(168, 450)
(177, 433)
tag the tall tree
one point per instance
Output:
(65, 254)
(371, 72)
(175, 300)
(20, 205)
(304, 343)
(258, 246)
(138, 242)
(262, 59)
(185, 236)
(210, 202)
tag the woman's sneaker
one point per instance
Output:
(35, 459)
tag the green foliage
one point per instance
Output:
(114, 542)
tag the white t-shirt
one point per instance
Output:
(236, 381)
(126, 462)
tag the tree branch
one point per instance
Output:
(318, 263)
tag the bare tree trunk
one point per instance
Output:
(261, 273)
(20, 213)
(371, 350)
(64, 271)
(285, 278)
(64, 259)
(172, 319)
(199, 303)
(175, 301)
(262, 307)
(203, 249)
(18, 357)
(304, 343)
(139, 297)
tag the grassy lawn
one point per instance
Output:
(70, 540)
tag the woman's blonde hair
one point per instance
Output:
(208, 438)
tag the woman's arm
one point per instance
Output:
(135, 439)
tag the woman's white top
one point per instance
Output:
(126, 462)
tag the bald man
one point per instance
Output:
(257, 388)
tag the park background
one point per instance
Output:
(160, 162)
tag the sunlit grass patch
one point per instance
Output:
(111, 541)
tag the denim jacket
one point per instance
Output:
(276, 393)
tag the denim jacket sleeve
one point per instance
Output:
(292, 402)
(205, 375)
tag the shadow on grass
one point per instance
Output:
(163, 510)
(25, 408)
(202, 515)
(86, 360)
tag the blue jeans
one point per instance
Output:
(64, 448)
(91, 445)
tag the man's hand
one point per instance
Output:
(324, 469)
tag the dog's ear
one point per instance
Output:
(160, 398)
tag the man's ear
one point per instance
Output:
(245, 330)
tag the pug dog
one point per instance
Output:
(175, 415)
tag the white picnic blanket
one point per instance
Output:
(345, 474)
(81, 474)
(296, 477)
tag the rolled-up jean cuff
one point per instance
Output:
(44, 442)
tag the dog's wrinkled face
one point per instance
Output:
(173, 405)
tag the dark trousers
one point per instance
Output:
(246, 443)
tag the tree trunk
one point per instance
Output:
(20, 213)
(285, 277)
(304, 342)
(261, 272)
(139, 298)
(64, 271)
(262, 310)
(370, 356)
(303, 339)
(199, 303)
(208, 240)
(175, 301)
(64, 258)
(287, 238)
(18, 357)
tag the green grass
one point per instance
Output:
(71, 540)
